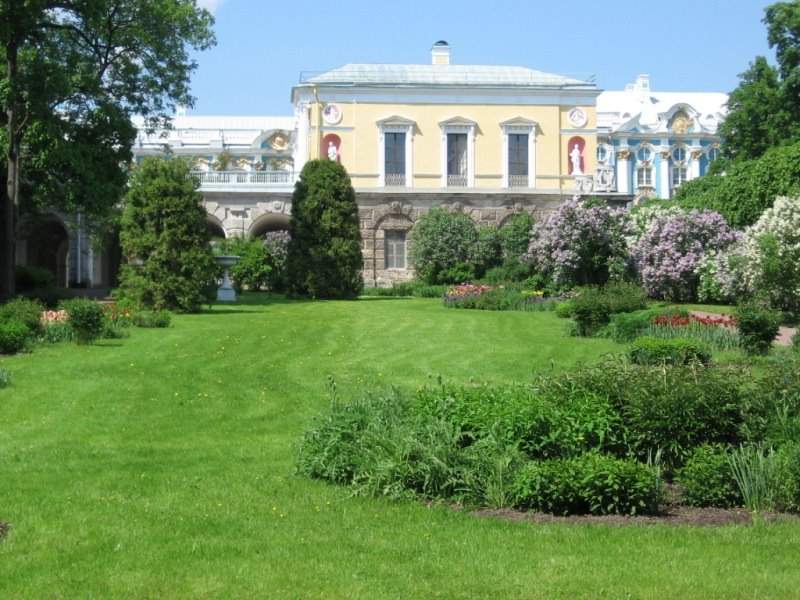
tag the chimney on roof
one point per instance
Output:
(440, 53)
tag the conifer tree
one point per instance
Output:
(165, 238)
(324, 256)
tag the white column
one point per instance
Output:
(666, 182)
(300, 156)
(624, 171)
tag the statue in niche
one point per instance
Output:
(575, 157)
(333, 152)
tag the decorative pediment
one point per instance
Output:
(457, 122)
(395, 121)
(519, 124)
(275, 139)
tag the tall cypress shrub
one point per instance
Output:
(165, 238)
(324, 255)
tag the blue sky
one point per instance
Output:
(263, 46)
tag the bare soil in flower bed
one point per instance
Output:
(672, 512)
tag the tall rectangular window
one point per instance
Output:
(395, 158)
(518, 160)
(395, 249)
(457, 159)
(678, 176)
(644, 177)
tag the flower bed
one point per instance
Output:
(717, 330)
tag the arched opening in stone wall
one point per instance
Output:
(269, 222)
(215, 229)
(47, 247)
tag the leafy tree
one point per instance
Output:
(764, 110)
(747, 188)
(261, 261)
(442, 247)
(165, 239)
(324, 255)
(74, 72)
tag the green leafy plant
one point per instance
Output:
(85, 318)
(23, 310)
(707, 478)
(758, 326)
(589, 483)
(593, 306)
(14, 336)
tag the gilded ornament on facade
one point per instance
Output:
(624, 154)
(278, 141)
(681, 123)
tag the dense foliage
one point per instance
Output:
(595, 440)
(261, 264)
(324, 254)
(442, 247)
(165, 239)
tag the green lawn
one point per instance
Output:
(161, 465)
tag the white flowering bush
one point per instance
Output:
(771, 266)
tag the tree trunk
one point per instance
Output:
(9, 202)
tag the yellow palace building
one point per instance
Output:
(489, 141)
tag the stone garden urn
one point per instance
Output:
(226, 293)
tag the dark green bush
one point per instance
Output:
(24, 310)
(758, 326)
(593, 307)
(788, 492)
(673, 351)
(151, 318)
(676, 408)
(590, 483)
(85, 319)
(707, 479)
(772, 402)
(33, 278)
(14, 336)
(511, 270)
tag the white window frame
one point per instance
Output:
(524, 127)
(454, 126)
(396, 125)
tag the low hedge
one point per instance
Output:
(674, 351)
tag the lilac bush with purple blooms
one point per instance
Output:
(582, 243)
(669, 254)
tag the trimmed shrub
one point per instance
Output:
(674, 351)
(85, 319)
(707, 479)
(626, 327)
(28, 312)
(590, 483)
(14, 336)
(758, 326)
